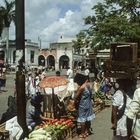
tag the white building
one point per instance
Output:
(59, 55)
(31, 53)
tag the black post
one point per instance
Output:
(20, 74)
(53, 104)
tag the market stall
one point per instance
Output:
(59, 125)
(54, 129)
(99, 97)
(54, 88)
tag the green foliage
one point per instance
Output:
(7, 13)
(114, 20)
(80, 41)
(1, 20)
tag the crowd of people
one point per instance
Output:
(124, 93)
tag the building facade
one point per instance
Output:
(58, 56)
(31, 53)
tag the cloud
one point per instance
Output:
(64, 26)
(50, 19)
(70, 24)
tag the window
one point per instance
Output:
(32, 56)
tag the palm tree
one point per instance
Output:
(1, 21)
(8, 16)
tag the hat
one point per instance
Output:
(80, 79)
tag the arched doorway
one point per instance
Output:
(64, 62)
(41, 60)
(51, 62)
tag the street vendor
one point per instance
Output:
(34, 114)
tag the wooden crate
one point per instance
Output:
(68, 133)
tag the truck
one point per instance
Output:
(124, 61)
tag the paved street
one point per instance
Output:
(4, 95)
(101, 126)
(10, 90)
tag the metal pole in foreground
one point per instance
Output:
(20, 75)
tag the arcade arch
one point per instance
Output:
(64, 62)
(51, 62)
(41, 60)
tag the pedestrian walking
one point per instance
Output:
(69, 73)
(31, 82)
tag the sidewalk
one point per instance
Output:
(101, 126)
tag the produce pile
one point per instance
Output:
(50, 130)
(98, 97)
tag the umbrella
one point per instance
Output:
(53, 81)
(53, 85)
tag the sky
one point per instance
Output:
(48, 19)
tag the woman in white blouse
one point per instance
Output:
(120, 100)
(133, 114)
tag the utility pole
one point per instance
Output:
(20, 74)
(39, 39)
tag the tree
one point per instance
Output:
(114, 21)
(7, 17)
(1, 21)
(80, 41)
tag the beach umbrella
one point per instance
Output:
(53, 81)
(53, 85)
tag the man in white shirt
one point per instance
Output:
(69, 73)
